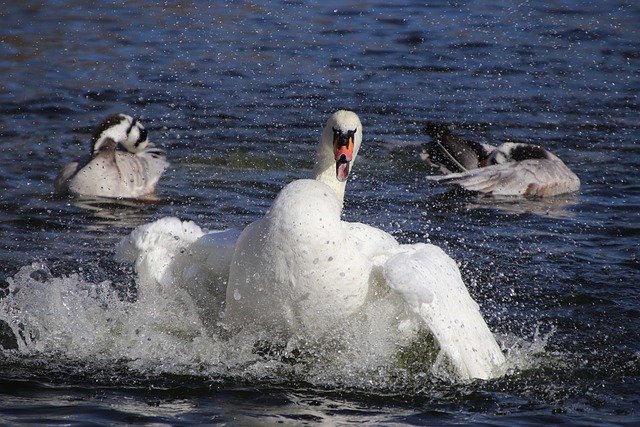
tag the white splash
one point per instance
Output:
(71, 318)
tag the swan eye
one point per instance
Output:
(338, 131)
(343, 139)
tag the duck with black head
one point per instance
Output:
(123, 163)
(510, 169)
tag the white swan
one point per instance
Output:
(511, 169)
(301, 270)
(122, 164)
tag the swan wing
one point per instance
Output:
(171, 253)
(373, 243)
(430, 283)
(154, 246)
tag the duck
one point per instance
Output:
(123, 163)
(302, 273)
(510, 169)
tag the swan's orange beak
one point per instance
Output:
(343, 151)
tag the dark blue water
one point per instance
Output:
(237, 94)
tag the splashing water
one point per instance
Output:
(159, 331)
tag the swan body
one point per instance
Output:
(301, 270)
(122, 163)
(294, 270)
(272, 263)
(511, 169)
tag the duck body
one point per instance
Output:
(122, 163)
(510, 169)
(112, 174)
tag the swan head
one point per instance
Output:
(126, 131)
(338, 148)
(343, 145)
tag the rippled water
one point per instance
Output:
(237, 93)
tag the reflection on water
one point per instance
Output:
(116, 209)
(554, 207)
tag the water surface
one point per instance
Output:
(238, 93)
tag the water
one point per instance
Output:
(237, 93)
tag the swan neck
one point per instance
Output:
(326, 173)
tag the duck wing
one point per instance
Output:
(534, 177)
